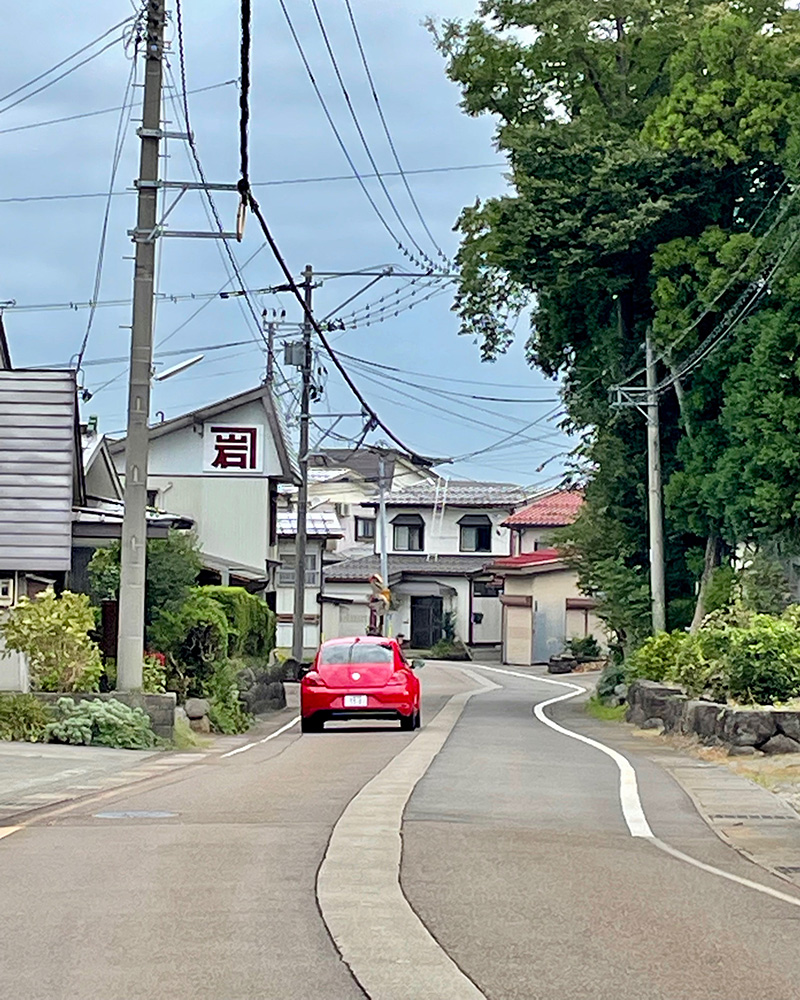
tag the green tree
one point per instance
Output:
(172, 567)
(651, 151)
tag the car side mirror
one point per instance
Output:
(417, 664)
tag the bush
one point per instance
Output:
(752, 658)
(226, 714)
(53, 632)
(194, 638)
(446, 649)
(251, 624)
(154, 673)
(101, 723)
(612, 675)
(585, 648)
(23, 717)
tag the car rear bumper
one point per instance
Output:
(382, 703)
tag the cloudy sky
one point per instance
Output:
(54, 179)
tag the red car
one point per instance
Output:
(363, 677)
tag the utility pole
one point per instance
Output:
(302, 498)
(130, 644)
(270, 376)
(654, 502)
(384, 534)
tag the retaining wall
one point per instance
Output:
(160, 707)
(769, 730)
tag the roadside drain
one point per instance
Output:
(135, 814)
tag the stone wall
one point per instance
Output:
(744, 730)
(160, 707)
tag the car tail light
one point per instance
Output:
(313, 679)
(397, 678)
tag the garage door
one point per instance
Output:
(518, 635)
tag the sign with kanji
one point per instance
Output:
(233, 448)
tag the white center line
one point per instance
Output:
(249, 746)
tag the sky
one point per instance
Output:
(49, 236)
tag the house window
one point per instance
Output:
(152, 498)
(286, 571)
(476, 533)
(365, 529)
(481, 588)
(408, 533)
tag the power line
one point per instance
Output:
(388, 134)
(440, 378)
(72, 69)
(281, 182)
(90, 114)
(58, 65)
(363, 137)
(119, 145)
(339, 139)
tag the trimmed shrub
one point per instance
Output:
(53, 632)
(585, 648)
(251, 624)
(101, 723)
(194, 638)
(763, 661)
(23, 717)
(226, 713)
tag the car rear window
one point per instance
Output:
(356, 652)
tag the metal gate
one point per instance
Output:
(426, 621)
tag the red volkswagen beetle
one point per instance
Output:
(363, 677)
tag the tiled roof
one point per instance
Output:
(551, 511)
(363, 567)
(458, 494)
(321, 524)
(527, 559)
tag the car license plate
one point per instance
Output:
(355, 701)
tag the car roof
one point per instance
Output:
(342, 640)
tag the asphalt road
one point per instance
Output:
(522, 878)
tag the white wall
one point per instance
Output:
(443, 536)
(230, 507)
(532, 539)
(489, 629)
(284, 602)
(13, 670)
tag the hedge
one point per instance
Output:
(251, 624)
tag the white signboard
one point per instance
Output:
(233, 448)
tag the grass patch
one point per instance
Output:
(185, 738)
(608, 713)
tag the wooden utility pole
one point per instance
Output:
(130, 644)
(298, 618)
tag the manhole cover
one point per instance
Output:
(135, 814)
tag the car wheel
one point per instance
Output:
(407, 722)
(310, 725)
(418, 720)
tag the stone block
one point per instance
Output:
(196, 708)
(703, 718)
(200, 725)
(788, 723)
(747, 727)
(780, 744)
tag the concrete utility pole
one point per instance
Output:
(302, 498)
(654, 503)
(130, 644)
(387, 618)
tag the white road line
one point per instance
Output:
(388, 949)
(6, 831)
(249, 746)
(630, 802)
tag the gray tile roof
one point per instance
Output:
(459, 494)
(362, 567)
(320, 524)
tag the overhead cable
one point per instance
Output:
(388, 134)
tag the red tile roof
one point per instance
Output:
(527, 559)
(551, 511)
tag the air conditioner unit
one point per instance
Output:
(6, 591)
(343, 510)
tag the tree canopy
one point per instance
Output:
(653, 154)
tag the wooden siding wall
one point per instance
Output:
(37, 455)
